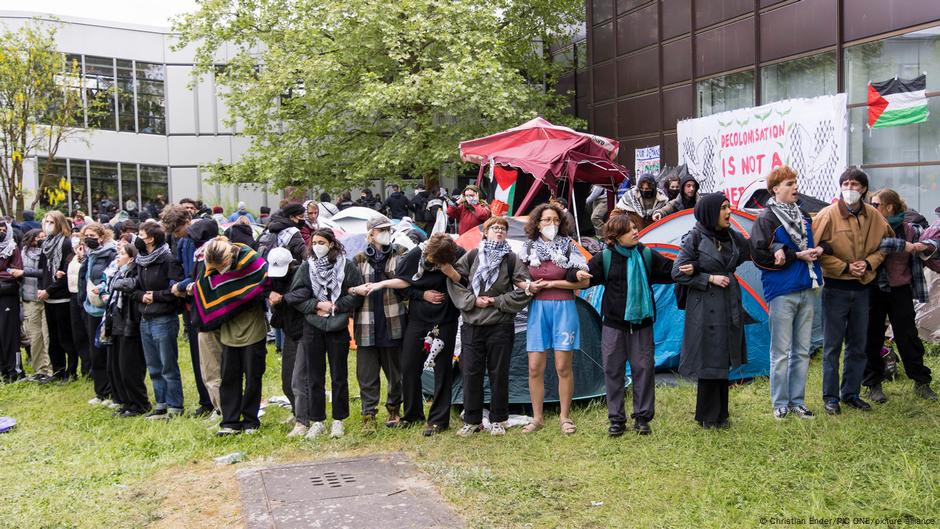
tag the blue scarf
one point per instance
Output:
(639, 300)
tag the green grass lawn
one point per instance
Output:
(70, 465)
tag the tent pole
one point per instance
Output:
(574, 204)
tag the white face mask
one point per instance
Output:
(549, 232)
(384, 238)
(49, 229)
(851, 196)
(75, 242)
(320, 250)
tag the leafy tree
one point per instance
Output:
(335, 93)
(40, 108)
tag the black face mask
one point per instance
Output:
(428, 265)
(92, 244)
(672, 193)
(140, 245)
(648, 194)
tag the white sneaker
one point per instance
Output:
(299, 431)
(95, 401)
(112, 405)
(497, 428)
(250, 431)
(315, 430)
(337, 430)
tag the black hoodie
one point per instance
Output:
(398, 205)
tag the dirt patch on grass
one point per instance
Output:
(196, 496)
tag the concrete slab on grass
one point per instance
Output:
(375, 492)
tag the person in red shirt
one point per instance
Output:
(470, 211)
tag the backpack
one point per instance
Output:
(269, 240)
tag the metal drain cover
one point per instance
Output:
(373, 491)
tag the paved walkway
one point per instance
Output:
(375, 492)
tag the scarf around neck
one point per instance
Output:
(792, 220)
(7, 245)
(52, 249)
(490, 256)
(422, 260)
(895, 221)
(150, 258)
(326, 278)
(639, 300)
(559, 251)
(219, 296)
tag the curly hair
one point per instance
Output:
(535, 218)
(441, 249)
(175, 216)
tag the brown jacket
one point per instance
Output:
(852, 238)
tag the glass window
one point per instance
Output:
(53, 185)
(78, 184)
(99, 96)
(806, 77)
(129, 199)
(581, 54)
(564, 58)
(728, 92)
(104, 188)
(918, 186)
(72, 78)
(154, 188)
(151, 100)
(905, 56)
(125, 92)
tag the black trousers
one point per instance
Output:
(320, 346)
(288, 358)
(193, 335)
(128, 370)
(99, 359)
(412, 366)
(486, 349)
(59, 321)
(898, 306)
(79, 351)
(240, 391)
(711, 405)
(10, 335)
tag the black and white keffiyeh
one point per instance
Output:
(326, 278)
(560, 251)
(52, 249)
(7, 245)
(791, 218)
(150, 258)
(491, 254)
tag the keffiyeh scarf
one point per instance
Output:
(490, 255)
(422, 262)
(560, 251)
(791, 218)
(52, 249)
(326, 278)
(8, 245)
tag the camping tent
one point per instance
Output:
(538, 157)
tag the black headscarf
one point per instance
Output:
(706, 213)
(203, 231)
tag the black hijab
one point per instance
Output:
(707, 210)
(203, 231)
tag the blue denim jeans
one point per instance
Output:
(791, 329)
(845, 321)
(158, 335)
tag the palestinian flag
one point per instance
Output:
(897, 102)
(505, 180)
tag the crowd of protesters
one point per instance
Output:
(109, 299)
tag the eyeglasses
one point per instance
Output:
(553, 221)
(498, 229)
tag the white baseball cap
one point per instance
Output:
(279, 260)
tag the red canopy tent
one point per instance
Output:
(550, 154)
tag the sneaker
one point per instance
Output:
(833, 408)
(174, 412)
(112, 405)
(225, 432)
(127, 414)
(432, 429)
(802, 412)
(337, 430)
(95, 401)
(250, 431)
(876, 394)
(202, 411)
(315, 430)
(498, 428)
(299, 431)
(158, 414)
(923, 391)
(616, 429)
(642, 426)
(468, 429)
(780, 413)
(368, 424)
